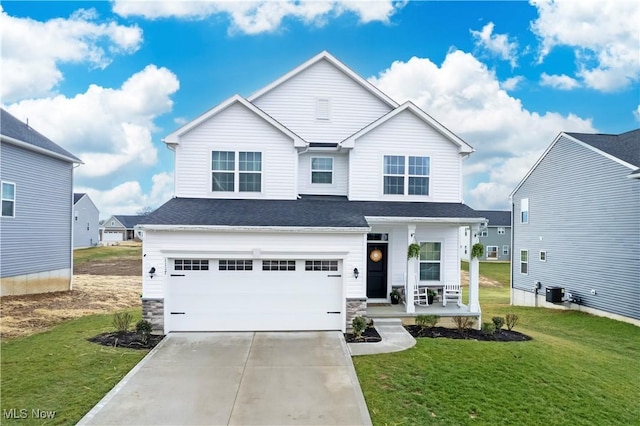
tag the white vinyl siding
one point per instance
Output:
(294, 104)
(235, 129)
(339, 179)
(410, 137)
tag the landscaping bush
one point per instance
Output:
(511, 321)
(498, 322)
(143, 329)
(488, 328)
(463, 323)
(358, 324)
(427, 320)
(122, 321)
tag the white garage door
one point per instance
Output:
(254, 295)
(111, 236)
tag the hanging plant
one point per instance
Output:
(413, 251)
(477, 250)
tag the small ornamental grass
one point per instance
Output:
(427, 320)
(511, 320)
(358, 324)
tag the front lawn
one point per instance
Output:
(578, 370)
(59, 371)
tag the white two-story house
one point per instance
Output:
(294, 209)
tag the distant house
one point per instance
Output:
(37, 210)
(120, 228)
(496, 237)
(86, 217)
(576, 230)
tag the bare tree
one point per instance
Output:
(145, 211)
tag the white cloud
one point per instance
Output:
(254, 17)
(636, 113)
(562, 81)
(512, 83)
(497, 44)
(34, 50)
(603, 35)
(466, 97)
(129, 198)
(108, 129)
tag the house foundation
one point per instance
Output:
(153, 311)
(39, 282)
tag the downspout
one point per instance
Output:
(71, 216)
(513, 233)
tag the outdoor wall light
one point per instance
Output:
(356, 273)
(152, 272)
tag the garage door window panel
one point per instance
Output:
(235, 265)
(278, 265)
(190, 265)
(321, 265)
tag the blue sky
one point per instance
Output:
(108, 80)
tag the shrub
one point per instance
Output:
(358, 324)
(122, 321)
(463, 323)
(143, 329)
(427, 320)
(498, 322)
(488, 328)
(511, 320)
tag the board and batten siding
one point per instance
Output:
(351, 106)
(584, 212)
(251, 245)
(235, 129)
(405, 134)
(340, 183)
(38, 238)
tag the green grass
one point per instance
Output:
(499, 271)
(106, 252)
(59, 370)
(578, 370)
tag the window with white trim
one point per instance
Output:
(8, 199)
(524, 210)
(321, 265)
(524, 262)
(492, 252)
(505, 250)
(501, 230)
(321, 170)
(190, 265)
(278, 265)
(543, 255)
(484, 232)
(236, 173)
(430, 261)
(235, 265)
(323, 109)
(406, 175)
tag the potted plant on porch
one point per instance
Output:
(430, 295)
(395, 296)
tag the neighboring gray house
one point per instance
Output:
(496, 237)
(577, 227)
(37, 203)
(86, 217)
(120, 228)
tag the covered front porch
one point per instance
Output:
(387, 310)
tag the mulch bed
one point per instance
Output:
(451, 333)
(370, 335)
(129, 340)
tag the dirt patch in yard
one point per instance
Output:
(482, 281)
(120, 267)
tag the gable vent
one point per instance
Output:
(322, 109)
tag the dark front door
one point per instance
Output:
(377, 271)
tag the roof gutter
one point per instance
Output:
(229, 228)
(451, 220)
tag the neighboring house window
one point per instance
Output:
(88, 225)
(465, 231)
(190, 265)
(8, 199)
(492, 252)
(505, 250)
(229, 176)
(321, 170)
(501, 230)
(430, 260)
(278, 265)
(543, 255)
(235, 265)
(76, 215)
(484, 233)
(113, 223)
(323, 109)
(406, 175)
(321, 265)
(524, 210)
(524, 262)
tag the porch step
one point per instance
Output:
(387, 321)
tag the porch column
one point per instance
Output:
(474, 271)
(411, 272)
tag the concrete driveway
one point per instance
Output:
(265, 378)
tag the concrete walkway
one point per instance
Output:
(394, 339)
(294, 378)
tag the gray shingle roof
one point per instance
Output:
(77, 196)
(625, 146)
(304, 212)
(129, 221)
(16, 129)
(496, 217)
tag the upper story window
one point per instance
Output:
(501, 230)
(524, 210)
(323, 109)
(484, 233)
(8, 199)
(406, 175)
(236, 171)
(321, 170)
